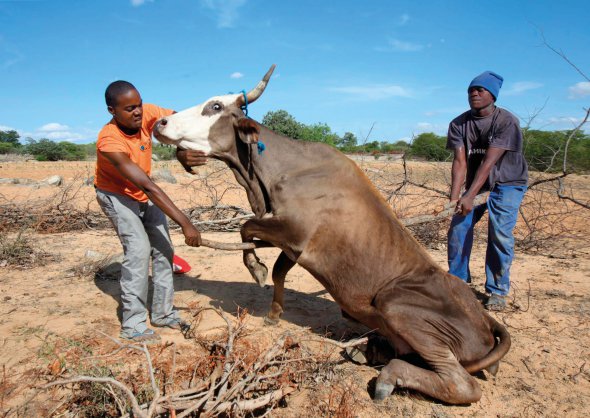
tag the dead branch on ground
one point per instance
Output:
(237, 377)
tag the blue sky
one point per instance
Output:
(400, 66)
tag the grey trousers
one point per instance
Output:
(143, 231)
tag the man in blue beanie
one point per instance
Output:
(487, 145)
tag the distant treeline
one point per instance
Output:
(544, 150)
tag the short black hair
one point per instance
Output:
(115, 89)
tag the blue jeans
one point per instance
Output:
(502, 206)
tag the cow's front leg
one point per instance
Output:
(271, 229)
(279, 272)
(257, 269)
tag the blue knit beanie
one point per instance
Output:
(490, 81)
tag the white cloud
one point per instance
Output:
(137, 3)
(374, 92)
(437, 128)
(403, 19)
(236, 75)
(60, 132)
(580, 89)
(53, 127)
(226, 10)
(423, 126)
(570, 121)
(400, 46)
(520, 87)
(6, 128)
(64, 136)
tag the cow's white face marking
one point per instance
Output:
(190, 128)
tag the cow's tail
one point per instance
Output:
(492, 360)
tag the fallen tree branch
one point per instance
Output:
(447, 211)
(252, 404)
(79, 379)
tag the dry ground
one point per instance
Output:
(546, 372)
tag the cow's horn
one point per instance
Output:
(257, 91)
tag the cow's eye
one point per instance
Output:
(216, 106)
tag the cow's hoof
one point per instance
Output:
(382, 391)
(493, 369)
(357, 355)
(259, 273)
(270, 321)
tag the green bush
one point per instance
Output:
(164, 152)
(7, 148)
(45, 150)
(89, 149)
(545, 150)
(282, 123)
(10, 137)
(73, 152)
(430, 147)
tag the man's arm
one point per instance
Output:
(465, 204)
(139, 178)
(458, 172)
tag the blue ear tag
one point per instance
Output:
(142, 148)
(261, 147)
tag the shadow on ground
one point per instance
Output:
(308, 310)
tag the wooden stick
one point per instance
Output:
(235, 246)
(447, 210)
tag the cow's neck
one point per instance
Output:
(258, 168)
(246, 176)
(271, 159)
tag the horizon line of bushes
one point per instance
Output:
(544, 150)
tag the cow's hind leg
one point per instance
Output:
(416, 329)
(279, 272)
(449, 383)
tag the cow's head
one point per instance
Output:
(212, 126)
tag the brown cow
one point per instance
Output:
(320, 209)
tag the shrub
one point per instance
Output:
(7, 148)
(545, 150)
(164, 152)
(45, 150)
(431, 147)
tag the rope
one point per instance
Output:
(245, 106)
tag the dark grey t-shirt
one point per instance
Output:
(498, 130)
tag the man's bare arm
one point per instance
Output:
(139, 178)
(458, 172)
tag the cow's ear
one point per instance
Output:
(248, 130)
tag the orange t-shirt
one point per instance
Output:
(138, 148)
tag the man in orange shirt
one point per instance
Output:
(137, 208)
